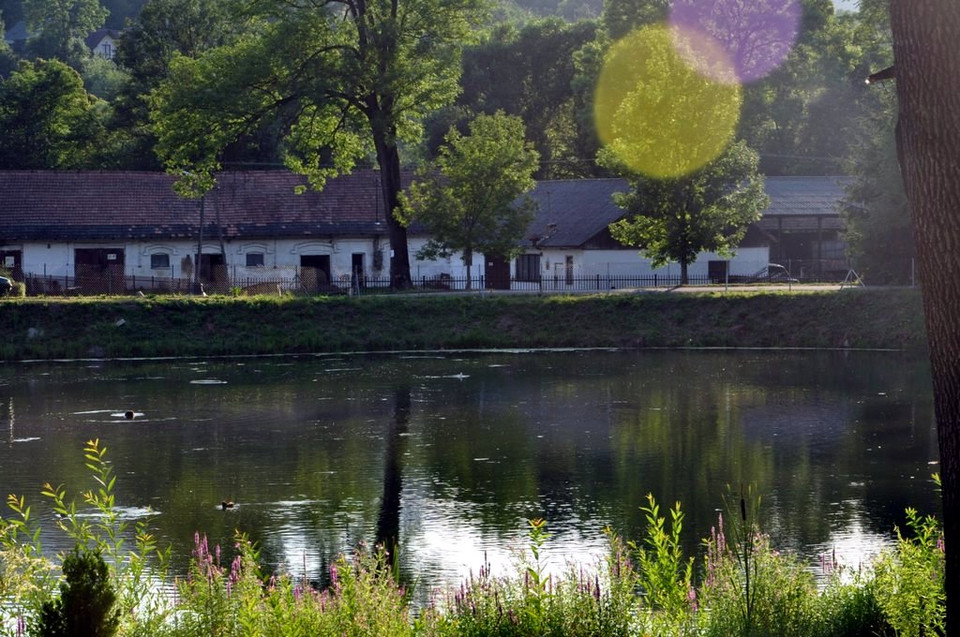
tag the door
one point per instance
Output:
(98, 270)
(213, 271)
(717, 271)
(497, 273)
(356, 270)
(315, 272)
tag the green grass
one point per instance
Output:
(223, 325)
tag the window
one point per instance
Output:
(528, 267)
(159, 261)
(254, 259)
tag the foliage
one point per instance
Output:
(527, 72)
(86, 606)
(910, 581)
(664, 576)
(163, 29)
(48, 120)
(241, 600)
(877, 216)
(751, 589)
(675, 219)
(530, 601)
(347, 78)
(468, 197)
(60, 27)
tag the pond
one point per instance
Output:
(451, 453)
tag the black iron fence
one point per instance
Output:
(87, 285)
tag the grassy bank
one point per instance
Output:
(212, 326)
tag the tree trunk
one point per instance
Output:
(926, 33)
(684, 278)
(468, 261)
(388, 158)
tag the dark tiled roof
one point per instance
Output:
(798, 196)
(50, 206)
(572, 211)
(97, 36)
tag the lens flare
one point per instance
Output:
(656, 113)
(756, 35)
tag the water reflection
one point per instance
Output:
(448, 455)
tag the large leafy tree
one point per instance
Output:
(675, 219)
(60, 27)
(925, 36)
(526, 72)
(47, 119)
(162, 30)
(349, 78)
(471, 198)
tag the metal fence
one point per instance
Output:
(40, 285)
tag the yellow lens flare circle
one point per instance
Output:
(655, 111)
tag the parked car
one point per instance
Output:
(5, 286)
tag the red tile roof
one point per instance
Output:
(47, 205)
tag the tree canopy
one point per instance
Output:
(48, 120)
(471, 197)
(60, 27)
(675, 219)
(347, 78)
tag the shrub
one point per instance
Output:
(86, 606)
(909, 581)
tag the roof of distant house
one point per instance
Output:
(97, 37)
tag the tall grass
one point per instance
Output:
(739, 586)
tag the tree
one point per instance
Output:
(349, 77)
(468, 198)
(674, 219)
(162, 30)
(60, 27)
(925, 36)
(527, 72)
(47, 119)
(8, 61)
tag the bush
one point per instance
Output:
(85, 607)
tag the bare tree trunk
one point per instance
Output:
(927, 53)
(684, 277)
(388, 158)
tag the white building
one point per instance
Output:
(121, 231)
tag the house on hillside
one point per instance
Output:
(103, 43)
(116, 231)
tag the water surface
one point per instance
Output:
(450, 453)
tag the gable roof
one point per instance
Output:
(17, 33)
(572, 212)
(805, 196)
(71, 206)
(95, 38)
